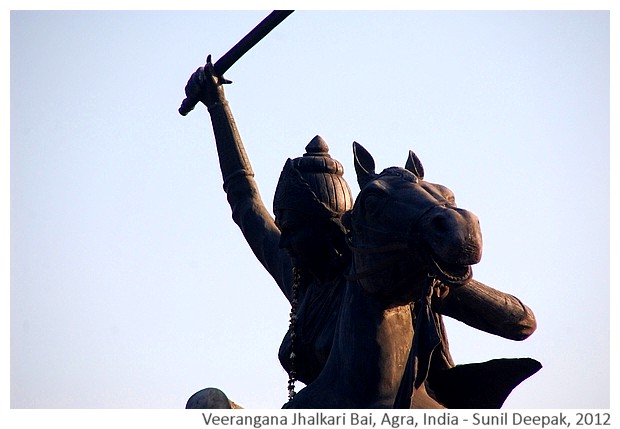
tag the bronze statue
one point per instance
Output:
(307, 250)
(412, 251)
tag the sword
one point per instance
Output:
(244, 45)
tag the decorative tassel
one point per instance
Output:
(292, 373)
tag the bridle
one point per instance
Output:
(394, 243)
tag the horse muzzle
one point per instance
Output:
(454, 242)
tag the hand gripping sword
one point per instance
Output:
(248, 42)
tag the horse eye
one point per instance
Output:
(373, 203)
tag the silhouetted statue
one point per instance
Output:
(400, 262)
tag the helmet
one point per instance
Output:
(313, 184)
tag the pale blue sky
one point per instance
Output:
(132, 288)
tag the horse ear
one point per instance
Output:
(415, 165)
(364, 164)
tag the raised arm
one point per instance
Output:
(248, 209)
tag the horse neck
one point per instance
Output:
(396, 277)
(371, 347)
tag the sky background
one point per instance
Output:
(131, 287)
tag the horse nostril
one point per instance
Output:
(440, 223)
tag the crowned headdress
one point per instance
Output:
(313, 184)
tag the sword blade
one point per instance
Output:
(250, 40)
(240, 49)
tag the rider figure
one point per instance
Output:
(305, 250)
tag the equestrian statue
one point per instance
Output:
(368, 279)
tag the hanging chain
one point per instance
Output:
(292, 373)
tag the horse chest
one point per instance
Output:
(374, 339)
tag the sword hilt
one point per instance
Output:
(244, 45)
(187, 105)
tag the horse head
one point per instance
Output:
(404, 230)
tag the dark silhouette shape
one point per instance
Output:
(316, 248)
(408, 240)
